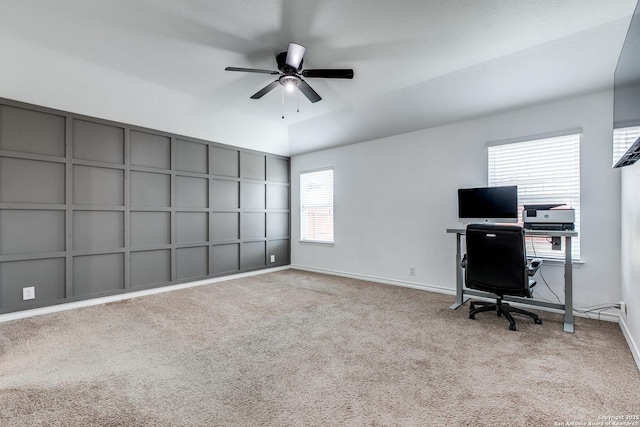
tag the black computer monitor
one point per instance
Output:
(488, 204)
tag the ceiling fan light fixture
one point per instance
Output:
(290, 82)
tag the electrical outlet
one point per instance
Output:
(28, 293)
(412, 271)
(623, 307)
(273, 258)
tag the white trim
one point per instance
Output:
(317, 242)
(394, 282)
(129, 295)
(635, 351)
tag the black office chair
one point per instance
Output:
(496, 262)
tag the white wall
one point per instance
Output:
(47, 78)
(395, 197)
(631, 256)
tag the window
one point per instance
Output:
(623, 138)
(545, 171)
(316, 206)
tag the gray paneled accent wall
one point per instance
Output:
(90, 208)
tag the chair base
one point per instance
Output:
(500, 308)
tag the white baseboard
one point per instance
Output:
(375, 279)
(633, 346)
(439, 289)
(129, 295)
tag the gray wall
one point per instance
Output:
(91, 208)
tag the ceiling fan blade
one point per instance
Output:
(311, 94)
(329, 73)
(294, 55)
(251, 70)
(268, 88)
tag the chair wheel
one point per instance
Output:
(472, 306)
(538, 321)
(499, 314)
(472, 316)
(512, 327)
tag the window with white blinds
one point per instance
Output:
(623, 138)
(545, 171)
(316, 206)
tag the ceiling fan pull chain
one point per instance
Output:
(283, 103)
(297, 102)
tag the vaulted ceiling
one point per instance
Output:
(417, 63)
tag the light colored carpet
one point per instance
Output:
(293, 348)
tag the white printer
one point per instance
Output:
(547, 217)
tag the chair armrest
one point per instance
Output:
(533, 266)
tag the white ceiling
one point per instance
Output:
(417, 63)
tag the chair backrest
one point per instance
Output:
(496, 259)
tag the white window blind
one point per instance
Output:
(622, 140)
(316, 206)
(545, 171)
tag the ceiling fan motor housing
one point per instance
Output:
(281, 60)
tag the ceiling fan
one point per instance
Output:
(290, 66)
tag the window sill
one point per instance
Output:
(316, 242)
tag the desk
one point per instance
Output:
(567, 307)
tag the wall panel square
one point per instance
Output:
(31, 181)
(277, 196)
(253, 255)
(98, 142)
(150, 189)
(192, 262)
(192, 157)
(192, 192)
(277, 224)
(224, 162)
(149, 150)
(192, 227)
(225, 226)
(30, 131)
(94, 274)
(226, 258)
(46, 275)
(96, 230)
(253, 195)
(253, 226)
(225, 194)
(150, 267)
(277, 169)
(98, 186)
(31, 231)
(253, 166)
(150, 228)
